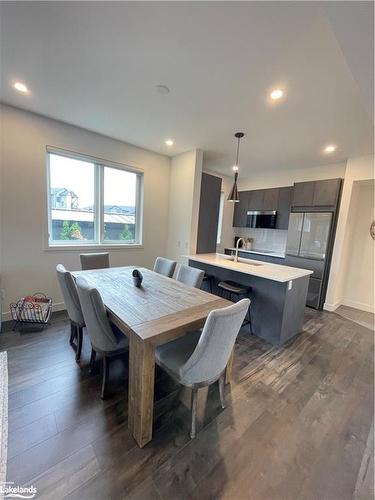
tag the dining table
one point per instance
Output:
(160, 310)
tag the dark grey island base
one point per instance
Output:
(277, 312)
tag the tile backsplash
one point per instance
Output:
(265, 239)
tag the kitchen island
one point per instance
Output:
(278, 293)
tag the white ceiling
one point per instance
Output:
(96, 64)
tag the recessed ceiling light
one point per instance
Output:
(162, 89)
(330, 149)
(169, 142)
(21, 87)
(276, 94)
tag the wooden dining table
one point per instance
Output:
(159, 311)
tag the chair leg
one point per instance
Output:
(210, 284)
(92, 360)
(250, 323)
(79, 342)
(73, 333)
(105, 377)
(194, 401)
(221, 390)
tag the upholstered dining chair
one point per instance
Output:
(94, 260)
(73, 307)
(105, 339)
(190, 276)
(164, 266)
(199, 359)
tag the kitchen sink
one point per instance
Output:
(242, 261)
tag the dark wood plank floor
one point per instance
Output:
(298, 423)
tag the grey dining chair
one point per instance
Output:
(94, 261)
(190, 276)
(164, 266)
(200, 358)
(73, 307)
(105, 338)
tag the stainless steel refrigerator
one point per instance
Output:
(308, 247)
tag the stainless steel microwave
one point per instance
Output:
(261, 219)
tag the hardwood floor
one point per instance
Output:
(364, 318)
(298, 422)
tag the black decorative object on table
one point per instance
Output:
(137, 278)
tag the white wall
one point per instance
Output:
(26, 265)
(358, 169)
(358, 286)
(184, 193)
(287, 177)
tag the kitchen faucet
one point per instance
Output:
(237, 245)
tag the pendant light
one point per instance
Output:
(233, 195)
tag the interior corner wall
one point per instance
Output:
(357, 169)
(27, 266)
(358, 286)
(184, 193)
(196, 200)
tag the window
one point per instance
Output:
(92, 202)
(220, 221)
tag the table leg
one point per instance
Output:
(228, 370)
(141, 390)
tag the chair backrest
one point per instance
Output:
(97, 323)
(190, 276)
(215, 345)
(69, 291)
(164, 266)
(94, 260)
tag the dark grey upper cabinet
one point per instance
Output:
(240, 209)
(264, 199)
(303, 194)
(255, 199)
(316, 193)
(326, 193)
(283, 207)
(208, 213)
(270, 199)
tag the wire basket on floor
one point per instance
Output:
(34, 309)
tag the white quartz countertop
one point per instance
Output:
(260, 252)
(258, 268)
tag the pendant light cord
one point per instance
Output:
(238, 149)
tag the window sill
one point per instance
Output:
(108, 246)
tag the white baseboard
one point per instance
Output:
(359, 305)
(331, 307)
(58, 306)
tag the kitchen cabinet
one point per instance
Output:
(303, 194)
(208, 220)
(270, 199)
(283, 207)
(326, 193)
(240, 209)
(278, 199)
(255, 199)
(316, 194)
